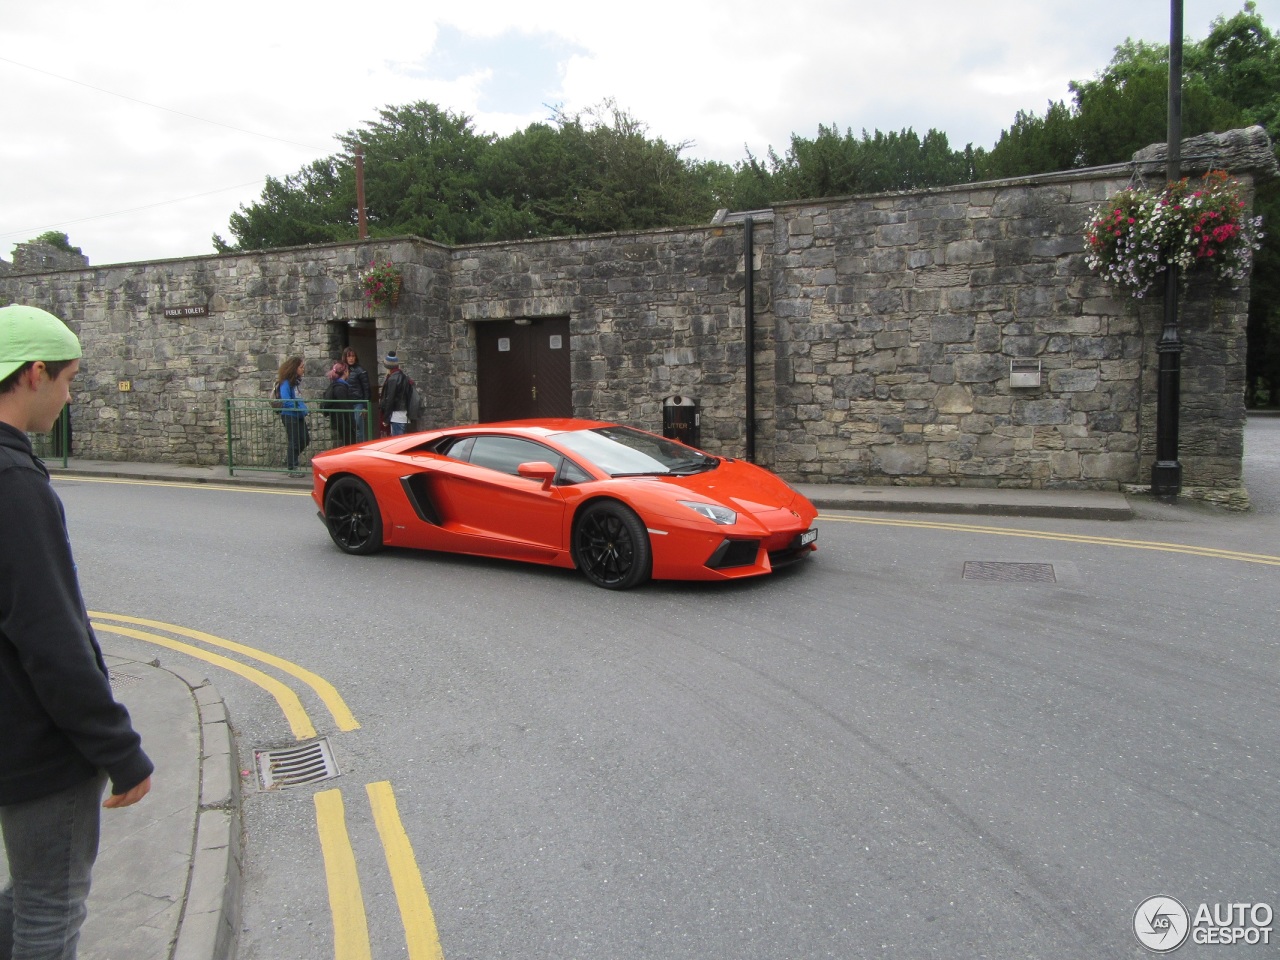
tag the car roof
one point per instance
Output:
(543, 427)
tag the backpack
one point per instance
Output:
(277, 404)
(413, 404)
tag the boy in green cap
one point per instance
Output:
(64, 734)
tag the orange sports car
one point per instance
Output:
(620, 504)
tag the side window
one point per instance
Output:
(457, 449)
(571, 473)
(507, 453)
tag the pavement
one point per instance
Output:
(986, 501)
(167, 882)
(166, 885)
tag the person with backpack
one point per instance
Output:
(341, 414)
(293, 412)
(397, 394)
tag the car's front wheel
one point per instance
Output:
(611, 546)
(352, 516)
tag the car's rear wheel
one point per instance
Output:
(611, 546)
(352, 516)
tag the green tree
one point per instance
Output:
(1035, 144)
(632, 182)
(57, 240)
(428, 173)
(422, 173)
(315, 205)
(833, 165)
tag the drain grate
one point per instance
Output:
(295, 766)
(991, 571)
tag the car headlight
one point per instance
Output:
(713, 512)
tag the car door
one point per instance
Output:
(480, 495)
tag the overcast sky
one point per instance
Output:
(138, 127)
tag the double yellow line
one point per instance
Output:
(290, 705)
(1184, 548)
(346, 902)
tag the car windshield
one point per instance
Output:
(624, 452)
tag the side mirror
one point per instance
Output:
(538, 470)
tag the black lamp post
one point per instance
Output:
(1166, 473)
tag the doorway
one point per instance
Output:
(523, 369)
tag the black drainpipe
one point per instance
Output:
(749, 255)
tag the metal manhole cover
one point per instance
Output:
(122, 679)
(991, 571)
(294, 766)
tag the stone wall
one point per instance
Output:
(898, 319)
(262, 308)
(32, 257)
(651, 315)
(885, 328)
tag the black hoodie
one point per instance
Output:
(60, 721)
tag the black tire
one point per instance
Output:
(352, 516)
(611, 546)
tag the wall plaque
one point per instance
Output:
(177, 313)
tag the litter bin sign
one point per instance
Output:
(680, 419)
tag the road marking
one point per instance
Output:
(1068, 538)
(420, 933)
(182, 486)
(289, 703)
(338, 709)
(346, 901)
(350, 926)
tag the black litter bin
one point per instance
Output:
(680, 419)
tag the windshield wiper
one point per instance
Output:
(689, 469)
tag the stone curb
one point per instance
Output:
(210, 919)
(1064, 511)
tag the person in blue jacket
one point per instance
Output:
(64, 734)
(293, 412)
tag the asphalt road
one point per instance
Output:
(875, 754)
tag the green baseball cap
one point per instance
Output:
(29, 333)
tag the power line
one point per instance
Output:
(156, 106)
(34, 231)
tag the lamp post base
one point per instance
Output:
(1166, 478)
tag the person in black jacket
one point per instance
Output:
(64, 734)
(394, 404)
(358, 378)
(342, 416)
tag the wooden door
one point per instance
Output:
(523, 369)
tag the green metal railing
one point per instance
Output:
(258, 434)
(56, 444)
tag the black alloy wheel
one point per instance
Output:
(611, 546)
(352, 516)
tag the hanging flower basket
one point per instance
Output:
(382, 284)
(1134, 237)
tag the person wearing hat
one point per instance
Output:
(64, 734)
(394, 401)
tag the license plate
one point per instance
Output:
(806, 538)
